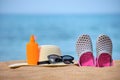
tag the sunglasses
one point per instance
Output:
(53, 58)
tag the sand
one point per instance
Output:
(71, 72)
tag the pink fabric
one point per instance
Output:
(104, 60)
(86, 59)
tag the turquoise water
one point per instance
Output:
(60, 30)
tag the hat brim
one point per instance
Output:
(54, 65)
(41, 65)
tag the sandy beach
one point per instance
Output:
(71, 72)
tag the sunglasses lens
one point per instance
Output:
(67, 59)
(54, 58)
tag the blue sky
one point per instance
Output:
(60, 6)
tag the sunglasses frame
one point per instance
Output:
(60, 59)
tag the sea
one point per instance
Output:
(61, 30)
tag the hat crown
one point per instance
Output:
(46, 50)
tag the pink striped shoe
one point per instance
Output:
(84, 50)
(104, 51)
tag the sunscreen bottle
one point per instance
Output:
(32, 51)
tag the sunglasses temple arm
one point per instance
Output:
(43, 62)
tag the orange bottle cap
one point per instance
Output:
(32, 38)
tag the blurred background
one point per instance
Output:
(56, 22)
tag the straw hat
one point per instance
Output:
(46, 50)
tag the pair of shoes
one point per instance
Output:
(103, 49)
